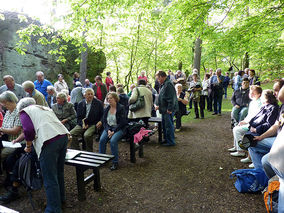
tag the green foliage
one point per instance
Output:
(128, 36)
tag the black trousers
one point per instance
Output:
(196, 110)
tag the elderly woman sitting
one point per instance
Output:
(49, 138)
(64, 111)
(114, 121)
(11, 124)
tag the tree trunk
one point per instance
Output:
(83, 64)
(180, 66)
(246, 61)
(197, 54)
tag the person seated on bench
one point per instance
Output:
(182, 102)
(265, 140)
(240, 101)
(273, 161)
(89, 115)
(243, 126)
(12, 126)
(64, 111)
(144, 113)
(264, 119)
(114, 123)
(12, 181)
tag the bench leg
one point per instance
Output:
(80, 184)
(97, 179)
(160, 132)
(141, 153)
(132, 151)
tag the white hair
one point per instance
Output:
(50, 88)
(89, 90)
(8, 96)
(39, 73)
(25, 102)
(178, 85)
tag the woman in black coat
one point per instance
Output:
(114, 122)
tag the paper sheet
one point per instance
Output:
(8, 144)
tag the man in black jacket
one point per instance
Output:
(89, 115)
(240, 101)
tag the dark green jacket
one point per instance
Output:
(167, 98)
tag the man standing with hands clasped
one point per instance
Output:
(167, 105)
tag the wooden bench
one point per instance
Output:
(134, 147)
(7, 210)
(83, 161)
(158, 120)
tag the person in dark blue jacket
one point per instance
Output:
(267, 114)
(264, 119)
(114, 122)
(226, 82)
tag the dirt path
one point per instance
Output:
(191, 177)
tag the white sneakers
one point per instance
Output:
(232, 149)
(238, 154)
(246, 160)
(251, 165)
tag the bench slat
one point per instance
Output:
(95, 157)
(96, 154)
(90, 160)
(76, 162)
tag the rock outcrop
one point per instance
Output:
(23, 67)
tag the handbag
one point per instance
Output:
(247, 141)
(139, 104)
(250, 180)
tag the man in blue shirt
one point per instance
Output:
(216, 82)
(41, 84)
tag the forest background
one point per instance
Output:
(128, 36)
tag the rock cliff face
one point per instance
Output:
(23, 67)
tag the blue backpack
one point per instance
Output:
(250, 180)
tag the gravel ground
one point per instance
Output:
(190, 177)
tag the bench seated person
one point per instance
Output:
(240, 101)
(89, 115)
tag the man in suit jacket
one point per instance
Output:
(89, 115)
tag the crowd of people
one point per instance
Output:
(103, 109)
(258, 118)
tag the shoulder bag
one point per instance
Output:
(139, 104)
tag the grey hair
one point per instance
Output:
(219, 70)
(28, 85)
(178, 85)
(8, 96)
(61, 95)
(25, 102)
(50, 88)
(39, 73)
(8, 77)
(89, 90)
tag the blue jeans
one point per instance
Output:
(168, 128)
(270, 171)
(52, 159)
(217, 97)
(262, 147)
(113, 143)
(225, 91)
(239, 114)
